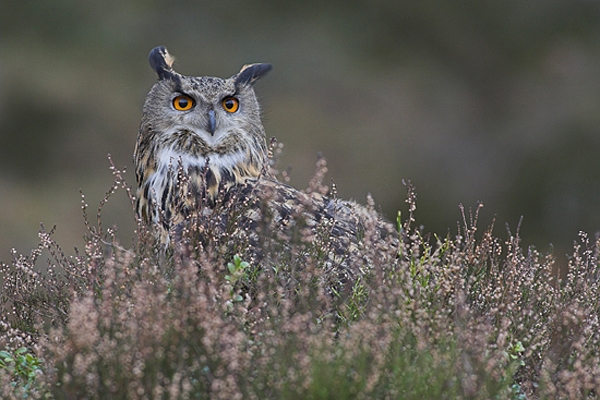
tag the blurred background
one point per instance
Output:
(491, 101)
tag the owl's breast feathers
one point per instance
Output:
(174, 181)
(178, 171)
(246, 199)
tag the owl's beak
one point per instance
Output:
(212, 122)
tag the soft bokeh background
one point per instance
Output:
(492, 101)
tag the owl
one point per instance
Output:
(208, 127)
(202, 145)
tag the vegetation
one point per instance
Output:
(467, 315)
(22, 366)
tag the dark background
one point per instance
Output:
(491, 101)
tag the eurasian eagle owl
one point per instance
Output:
(201, 140)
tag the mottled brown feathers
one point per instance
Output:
(210, 160)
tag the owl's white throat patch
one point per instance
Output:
(170, 158)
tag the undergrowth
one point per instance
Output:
(466, 315)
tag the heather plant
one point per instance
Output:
(462, 315)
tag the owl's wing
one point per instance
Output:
(287, 215)
(266, 221)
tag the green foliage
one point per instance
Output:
(22, 367)
(238, 275)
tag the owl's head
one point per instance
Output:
(203, 116)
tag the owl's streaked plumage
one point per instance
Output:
(210, 127)
(201, 141)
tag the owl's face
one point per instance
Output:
(210, 127)
(203, 116)
(211, 110)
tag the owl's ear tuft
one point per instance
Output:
(250, 73)
(162, 62)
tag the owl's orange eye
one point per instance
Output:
(183, 102)
(230, 104)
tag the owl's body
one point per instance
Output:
(201, 141)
